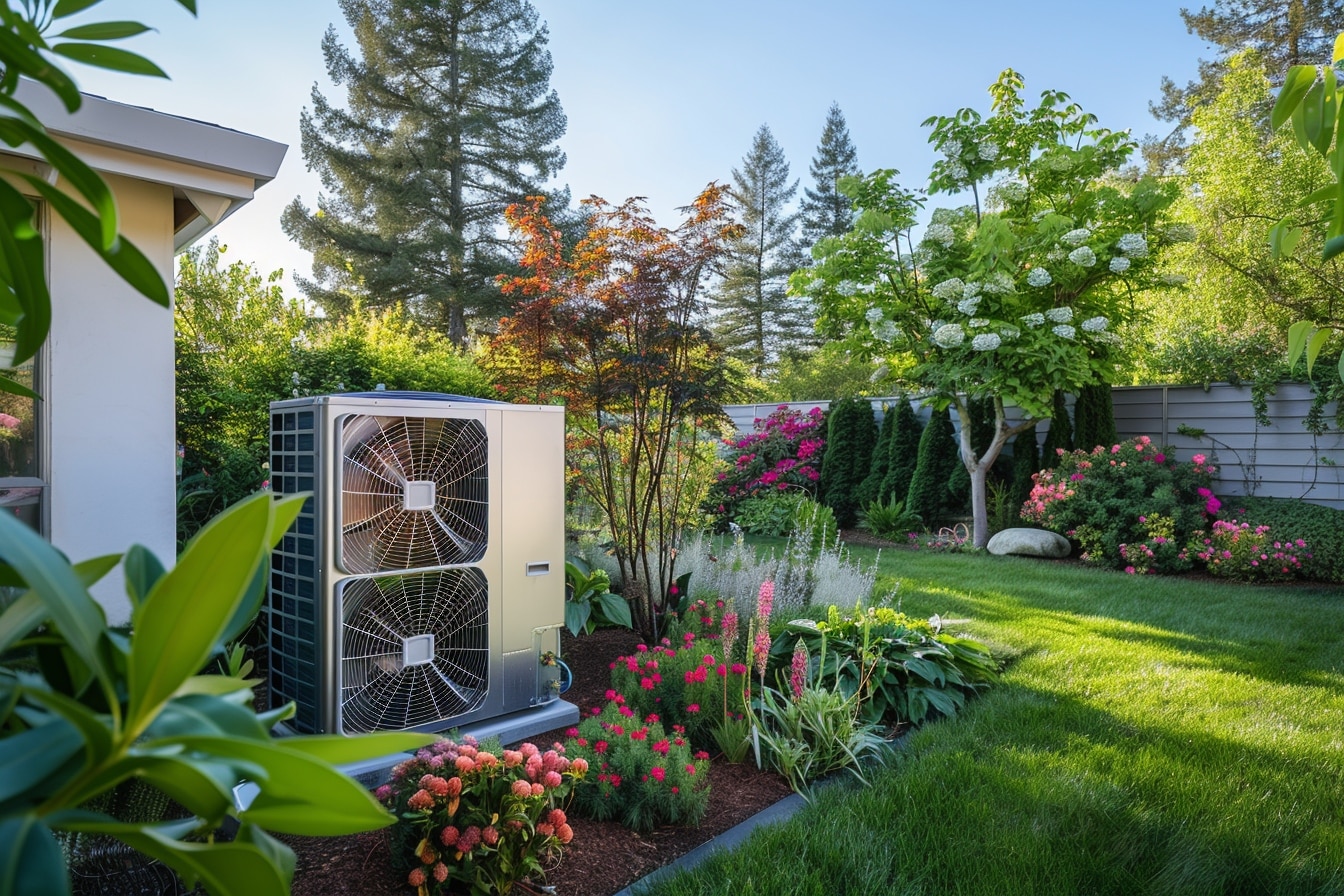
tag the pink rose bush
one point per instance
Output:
(479, 820)
(1239, 550)
(1129, 506)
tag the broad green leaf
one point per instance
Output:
(65, 8)
(1314, 346)
(193, 715)
(142, 570)
(20, 618)
(225, 869)
(72, 169)
(1283, 239)
(204, 787)
(214, 685)
(1310, 112)
(21, 58)
(188, 5)
(80, 621)
(1333, 247)
(301, 794)
(95, 728)
(31, 861)
(104, 31)
(250, 605)
(91, 571)
(279, 854)
(181, 620)
(1339, 49)
(112, 58)
(23, 267)
(128, 262)
(1295, 87)
(13, 388)
(342, 750)
(27, 758)
(1329, 108)
(1324, 194)
(615, 608)
(576, 616)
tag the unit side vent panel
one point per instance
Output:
(415, 649)
(294, 573)
(414, 493)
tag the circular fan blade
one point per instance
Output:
(415, 649)
(414, 493)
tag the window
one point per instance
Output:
(22, 473)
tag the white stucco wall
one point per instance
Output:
(109, 395)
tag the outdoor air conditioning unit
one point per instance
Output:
(422, 586)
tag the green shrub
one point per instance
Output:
(770, 514)
(781, 455)
(938, 457)
(870, 489)
(1094, 417)
(1026, 464)
(1128, 507)
(1321, 527)
(890, 520)
(814, 527)
(901, 669)
(1059, 436)
(903, 452)
(850, 436)
(1239, 550)
(638, 774)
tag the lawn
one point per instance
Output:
(1150, 735)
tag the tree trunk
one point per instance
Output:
(979, 467)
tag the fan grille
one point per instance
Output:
(386, 681)
(414, 493)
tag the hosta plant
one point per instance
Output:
(84, 709)
(589, 601)
(476, 819)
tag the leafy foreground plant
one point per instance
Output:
(589, 601)
(84, 708)
(468, 816)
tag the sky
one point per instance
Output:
(663, 98)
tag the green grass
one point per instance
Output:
(1150, 736)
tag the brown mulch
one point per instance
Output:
(603, 858)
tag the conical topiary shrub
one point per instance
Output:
(1060, 434)
(850, 438)
(938, 456)
(1026, 462)
(902, 453)
(1094, 418)
(870, 489)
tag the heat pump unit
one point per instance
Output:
(422, 586)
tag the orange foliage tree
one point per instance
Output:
(611, 328)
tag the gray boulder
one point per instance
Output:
(1029, 543)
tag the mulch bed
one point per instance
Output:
(603, 858)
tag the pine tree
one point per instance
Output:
(1094, 417)
(903, 453)
(1285, 32)
(850, 435)
(449, 118)
(756, 319)
(826, 211)
(938, 457)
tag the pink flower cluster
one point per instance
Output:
(784, 452)
(1239, 550)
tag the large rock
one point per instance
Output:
(1029, 543)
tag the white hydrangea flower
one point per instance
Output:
(1083, 256)
(1077, 236)
(978, 322)
(1095, 324)
(972, 289)
(969, 306)
(941, 234)
(873, 315)
(1060, 315)
(1181, 233)
(1174, 279)
(986, 342)
(998, 284)
(1009, 332)
(948, 289)
(949, 335)
(1063, 331)
(847, 287)
(936, 326)
(988, 149)
(1133, 245)
(1012, 191)
(952, 148)
(1034, 320)
(1038, 277)
(884, 330)
(956, 170)
(1119, 264)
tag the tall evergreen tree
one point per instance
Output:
(870, 489)
(756, 319)
(1060, 433)
(1094, 417)
(1284, 32)
(826, 211)
(850, 436)
(939, 456)
(449, 117)
(902, 454)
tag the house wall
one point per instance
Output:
(109, 395)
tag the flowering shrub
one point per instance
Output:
(644, 776)
(482, 820)
(1238, 550)
(784, 452)
(1131, 494)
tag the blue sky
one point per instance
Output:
(664, 97)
